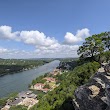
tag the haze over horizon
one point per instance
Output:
(50, 28)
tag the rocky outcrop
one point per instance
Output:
(95, 95)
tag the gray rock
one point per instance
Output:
(95, 95)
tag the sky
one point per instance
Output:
(49, 28)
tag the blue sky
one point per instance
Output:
(58, 20)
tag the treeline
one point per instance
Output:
(16, 65)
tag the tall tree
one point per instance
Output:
(93, 45)
(106, 40)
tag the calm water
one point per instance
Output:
(20, 81)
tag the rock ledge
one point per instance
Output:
(95, 95)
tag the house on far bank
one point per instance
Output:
(39, 86)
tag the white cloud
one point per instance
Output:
(3, 50)
(14, 53)
(45, 46)
(80, 36)
(36, 38)
(6, 33)
(28, 37)
(58, 50)
(41, 52)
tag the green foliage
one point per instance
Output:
(106, 55)
(106, 39)
(92, 46)
(103, 57)
(95, 47)
(19, 107)
(47, 86)
(39, 80)
(12, 95)
(4, 100)
(55, 99)
(39, 96)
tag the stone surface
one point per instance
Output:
(95, 90)
(95, 95)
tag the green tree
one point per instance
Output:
(92, 46)
(106, 39)
(46, 86)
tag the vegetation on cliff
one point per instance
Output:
(60, 98)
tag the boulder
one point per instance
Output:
(95, 95)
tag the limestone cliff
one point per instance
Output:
(95, 95)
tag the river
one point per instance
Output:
(19, 81)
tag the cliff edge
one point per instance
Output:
(95, 95)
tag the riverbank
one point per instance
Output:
(32, 96)
(49, 80)
(19, 82)
(11, 66)
(26, 69)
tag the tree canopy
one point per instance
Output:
(94, 45)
